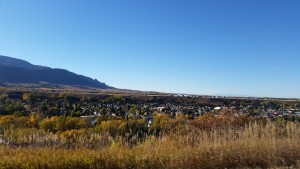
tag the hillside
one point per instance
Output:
(19, 71)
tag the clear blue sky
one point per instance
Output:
(247, 47)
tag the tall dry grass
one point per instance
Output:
(252, 146)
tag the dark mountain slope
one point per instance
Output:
(13, 62)
(19, 71)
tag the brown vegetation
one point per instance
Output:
(226, 142)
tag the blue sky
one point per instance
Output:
(245, 47)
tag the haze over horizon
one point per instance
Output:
(207, 47)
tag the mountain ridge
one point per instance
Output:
(14, 70)
(14, 62)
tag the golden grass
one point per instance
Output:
(253, 146)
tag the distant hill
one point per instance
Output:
(19, 71)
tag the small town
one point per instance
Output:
(144, 107)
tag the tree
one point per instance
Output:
(26, 97)
(49, 124)
(34, 119)
(103, 111)
(6, 122)
(4, 96)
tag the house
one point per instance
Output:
(96, 113)
(149, 119)
(281, 113)
(161, 109)
(90, 119)
(296, 114)
(217, 108)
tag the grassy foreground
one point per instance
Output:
(252, 146)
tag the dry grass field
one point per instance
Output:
(269, 145)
